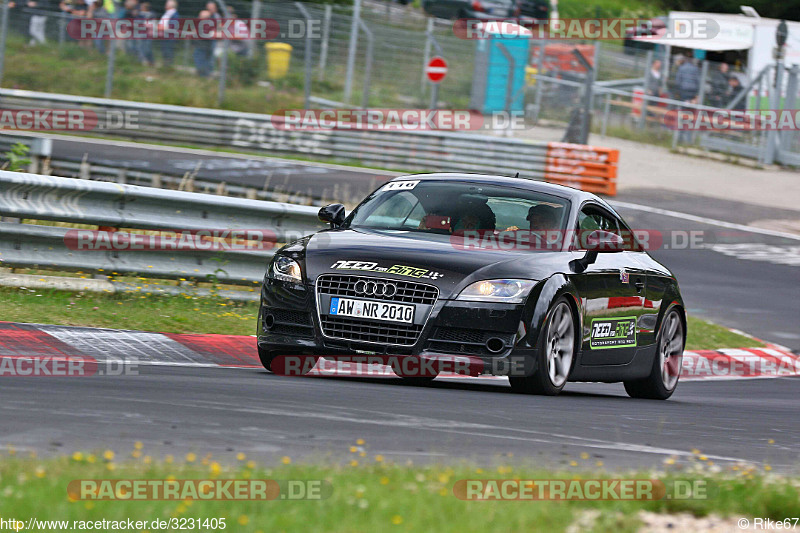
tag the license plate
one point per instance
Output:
(372, 310)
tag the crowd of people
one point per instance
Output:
(723, 86)
(145, 50)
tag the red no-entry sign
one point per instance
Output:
(436, 69)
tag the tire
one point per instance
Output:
(555, 354)
(664, 375)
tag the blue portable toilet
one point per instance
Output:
(490, 76)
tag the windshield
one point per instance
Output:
(446, 207)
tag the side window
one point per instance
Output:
(591, 218)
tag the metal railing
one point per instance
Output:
(407, 150)
(30, 197)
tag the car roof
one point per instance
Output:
(575, 195)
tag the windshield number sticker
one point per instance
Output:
(400, 185)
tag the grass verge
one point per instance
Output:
(371, 494)
(187, 314)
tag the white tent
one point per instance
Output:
(735, 32)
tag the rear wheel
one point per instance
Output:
(555, 354)
(663, 378)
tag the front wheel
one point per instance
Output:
(666, 370)
(555, 354)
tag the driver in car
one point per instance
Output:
(542, 218)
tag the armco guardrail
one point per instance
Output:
(111, 205)
(412, 150)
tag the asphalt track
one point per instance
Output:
(314, 179)
(760, 296)
(738, 278)
(224, 411)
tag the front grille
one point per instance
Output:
(409, 292)
(354, 329)
(464, 341)
(290, 322)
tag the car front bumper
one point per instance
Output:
(290, 322)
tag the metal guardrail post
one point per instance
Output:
(775, 104)
(665, 67)
(62, 29)
(701, 95)
(368, 68)
(255, 13)
(435, 86)
(3, 35)
(112, 54)
(587, 95)
(426, 56)
(326, 32)
(223, 60)
(307, 56)
(647, 75)
(510, 82)
(606, 109)
(351, 50)
(789, 103)
(537, 100)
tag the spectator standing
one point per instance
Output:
(213, 10)
(687, 80)
(719, 86)
(34, 21)
(146, 45)
(202, 51)
(734, 88)
(130, 10)
(653, 87)
(169, 18)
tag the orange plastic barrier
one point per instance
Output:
(588, 168)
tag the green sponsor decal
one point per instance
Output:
(615, 332)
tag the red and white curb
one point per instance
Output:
(23, 343)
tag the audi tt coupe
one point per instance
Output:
(540, 282)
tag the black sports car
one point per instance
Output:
(540, 282)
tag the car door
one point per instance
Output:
(612, 289)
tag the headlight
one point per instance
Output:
(286, 269)
(512, 291)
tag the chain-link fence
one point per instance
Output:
(636, 91)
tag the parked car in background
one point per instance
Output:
(480, 9)
(534, 9)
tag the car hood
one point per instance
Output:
(415, 256)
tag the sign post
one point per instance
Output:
(436, 70)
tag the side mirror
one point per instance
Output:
(332, 214)
(604, 241)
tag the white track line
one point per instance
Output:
(704, 220)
